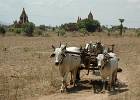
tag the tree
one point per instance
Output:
(89, 25)
(42, 27)
(2, 30)
(61, 32)
(84, 31)
(29, 28)
(70, 27)
(121, 26)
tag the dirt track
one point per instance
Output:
(23, 55)
(86, 92)
(129, 53)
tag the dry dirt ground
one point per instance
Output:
(27, 71)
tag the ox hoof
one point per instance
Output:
(103, 91)
(61, 91)
(71, 82)
(82, 65)
(87, 74)
(119, 70)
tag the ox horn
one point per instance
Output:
(53, 47)
(60, 44)
(65, 46)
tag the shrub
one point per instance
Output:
(70, 27)
(18, 30)
(61, 32)
(38, 32)
(29, 28)
(83, 30)
(137, 32)
(42, 27)
(45, 34)
(2, 30)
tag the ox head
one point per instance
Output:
(102, 60)
(59, 54)
(90, 46)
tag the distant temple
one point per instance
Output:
(22, 20)
(23, 17)
(79, 19)
(90, 17)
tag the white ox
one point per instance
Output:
(108, 64)
(96, 47)
(67, 63)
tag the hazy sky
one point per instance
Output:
(56, 12)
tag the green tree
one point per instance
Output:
(121, 26)
(29, 28)
(90, 25)
(70, 27)
(42, 27)
(2, 30)
(84, 31)
(61, 32)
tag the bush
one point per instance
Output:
(2, 30)
(70, 27)
(42, 27)
(45, 34)
(61, 32)
(18, 30)
(138, 33)
(29, 28)
(83, 30)
(38, 33)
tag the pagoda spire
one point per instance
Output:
(23, 17)
(79, 19)
(90, 16)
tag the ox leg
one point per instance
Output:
(64, 85)
(104, 83)
(110, 83)
(87, 69)
(78, 74)
(74, 77)
(71, 80)
(88, 66)
(114, 79)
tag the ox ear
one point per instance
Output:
(65, 48)
(52, 55)
(53, 47)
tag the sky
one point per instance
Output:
(57, 12)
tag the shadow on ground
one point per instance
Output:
(97, 87)
(119, 88)
(83, 85)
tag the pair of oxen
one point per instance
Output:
(72, 59)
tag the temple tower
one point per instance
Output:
(90, 16)
(23, 17)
